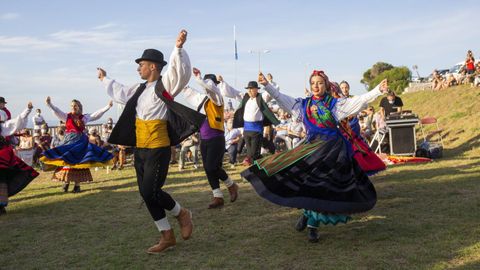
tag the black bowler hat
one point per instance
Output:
(152, 55)
(211, 77)
(252, 84)
(2, 100)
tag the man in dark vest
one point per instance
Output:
(252, 115)
(152, 122)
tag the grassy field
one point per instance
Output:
(427, 216)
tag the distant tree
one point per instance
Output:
(398, 77)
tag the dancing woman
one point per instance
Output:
(320, 176)
(75, 155)
(15, 175)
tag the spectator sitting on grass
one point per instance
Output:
(450, 81)
(437, 81)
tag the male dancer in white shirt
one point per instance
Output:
(143, 124)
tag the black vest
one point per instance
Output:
(181, 120)
(268, 116)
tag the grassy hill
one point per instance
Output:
(427, 216)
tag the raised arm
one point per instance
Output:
(11, 126)
(211, 89)
(98, 114)
(352, 106)
(227, 91)
(56, 111)
(192, 96)
(117, 91)
(179, 69)
(286, 102)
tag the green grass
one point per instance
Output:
(427, 217)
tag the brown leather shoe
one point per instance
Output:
(166, 241)
(185, 222)
(216, 203)
(233, 190)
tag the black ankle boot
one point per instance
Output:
(3, 211)
(312, 235)
(301, 223)
(76, 189)
(65, 187)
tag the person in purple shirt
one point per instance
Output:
(212, 136)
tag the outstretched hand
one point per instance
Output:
(30, 105)
(384, 86)
(110, 103)
(261, 79)
(219, 78)
(101, 73)
(182, 37)
(48, 100)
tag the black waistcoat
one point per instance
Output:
(181, 120)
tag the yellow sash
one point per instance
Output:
(151, 133)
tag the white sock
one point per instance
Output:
(229, 182)
(176, 209)
(163, 224)
(217, 193)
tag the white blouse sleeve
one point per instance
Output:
(96, 115)
(193, 97)
(57, 112)
(287, 103)
(227, 91)
(352, 106)
(178, 72)
(119, 92)
(11, 126)
(212, 90)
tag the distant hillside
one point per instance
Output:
(458, 112)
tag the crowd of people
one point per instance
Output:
(307, 152)
(469, 74)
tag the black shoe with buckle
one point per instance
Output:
(76, 189)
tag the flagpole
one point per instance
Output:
(236, 53)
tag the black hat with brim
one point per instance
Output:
(152, 55)
(212, 77)
(252, 84)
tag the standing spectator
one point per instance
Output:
(470, 66)
(38, 121)
(282, 131)
(476, 81)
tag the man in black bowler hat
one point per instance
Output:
(252, 115)
(152, 122)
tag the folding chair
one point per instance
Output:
(429, 134)
(378, 137)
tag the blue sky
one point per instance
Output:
(52, 48)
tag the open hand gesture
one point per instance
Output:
(182, 37)
(219, 78)
(48, 100)
(110, 103)
(29, 105)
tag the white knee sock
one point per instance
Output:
(229, 182)
(176, 209)
(217, 193)
(163, 224)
